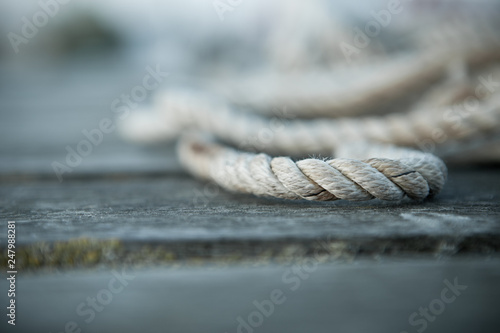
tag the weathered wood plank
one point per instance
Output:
(364, 297)
(186, 218)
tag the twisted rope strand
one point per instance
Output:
(348, 92)
(413, 174)
(177, 112)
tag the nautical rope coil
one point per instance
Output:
(370, 161)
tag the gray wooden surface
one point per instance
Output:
(363, 297)
(131, 206)
(175, 208)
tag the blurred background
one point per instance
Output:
(62, 64)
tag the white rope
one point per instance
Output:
(338, 92)
(177, 112)
(372, 88)
(406, 172)
(368, 165)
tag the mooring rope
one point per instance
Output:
(370, 161)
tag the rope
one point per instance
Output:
(339, 92)
(406, 172)
(177, 112)
(368, 163)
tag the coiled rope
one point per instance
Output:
(368, 163)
